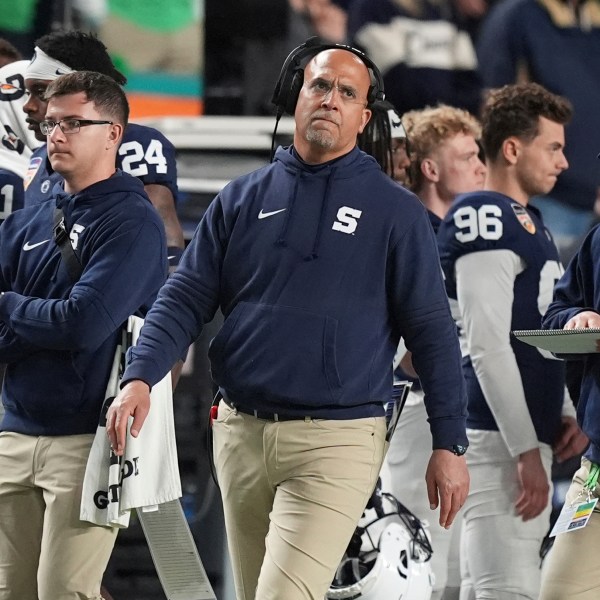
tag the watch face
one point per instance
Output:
(458, 449)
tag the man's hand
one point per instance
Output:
(533, 481)
(447, 480)
(571, 440)
(133, 400)
(584, 320)
(588, 319)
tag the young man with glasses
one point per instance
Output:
(58, 337)
(144, 152)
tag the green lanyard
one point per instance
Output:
(592, 480)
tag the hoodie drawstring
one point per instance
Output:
(314, 254)
(281, 241)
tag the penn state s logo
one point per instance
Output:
(74, 235)
(347, 220)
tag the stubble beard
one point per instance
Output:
(322, 139)
(538, 188)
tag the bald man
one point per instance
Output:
(318, 269)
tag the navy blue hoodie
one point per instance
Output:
(58, 338)
(318, 270)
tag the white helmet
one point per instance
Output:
(388, 556)
(16, 139)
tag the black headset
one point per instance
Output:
(291, 78)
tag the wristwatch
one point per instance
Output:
(457, 449)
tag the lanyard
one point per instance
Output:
(589, 486)
(577, 513)
(592, 480)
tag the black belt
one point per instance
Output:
(266, 416)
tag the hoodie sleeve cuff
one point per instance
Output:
(449, 432)
(137, 368)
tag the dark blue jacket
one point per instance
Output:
(576, 291)
(58, 338)
(318, 270)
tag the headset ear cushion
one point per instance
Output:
(294, 91)
(371, 95)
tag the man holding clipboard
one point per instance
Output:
(573, 568)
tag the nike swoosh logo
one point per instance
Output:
(264, 215)
(28, 246)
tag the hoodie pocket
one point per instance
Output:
(278, 353)
(45, 384)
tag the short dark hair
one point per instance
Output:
(106, 94)
(514, 110)
(81, 52)
(8, 51)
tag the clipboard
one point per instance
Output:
(562, 341)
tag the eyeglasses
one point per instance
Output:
(322, 88)
(69, 126)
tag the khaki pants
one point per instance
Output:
(572, 569)
(293, 493)
(46, 552)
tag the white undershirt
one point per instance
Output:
(485, 292)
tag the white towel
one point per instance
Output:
(147, 474)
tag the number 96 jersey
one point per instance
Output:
(500, 266)
(144, 153)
